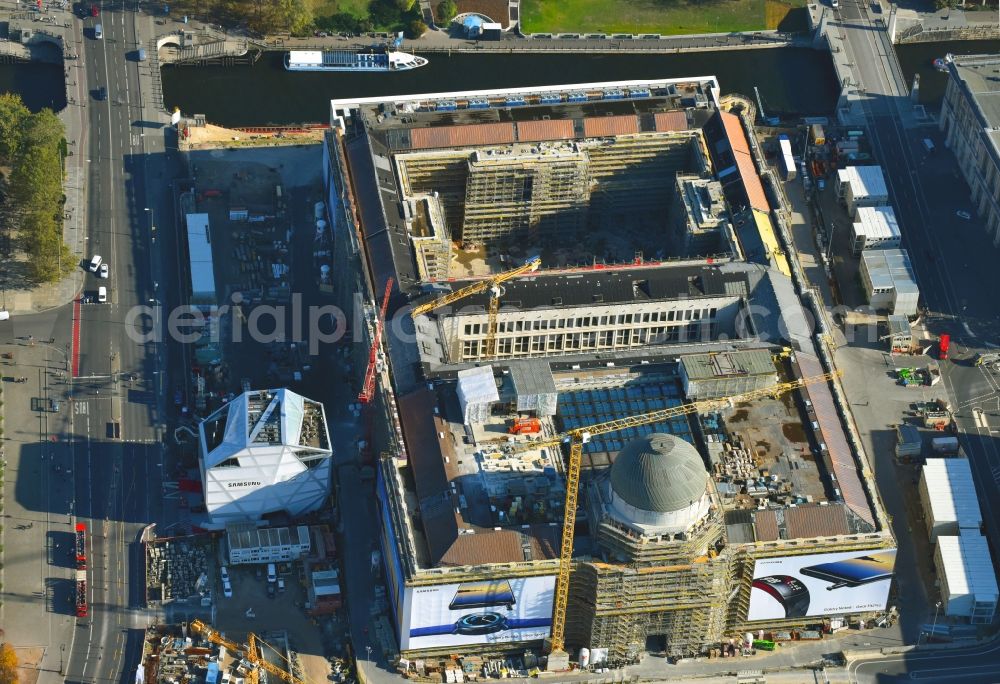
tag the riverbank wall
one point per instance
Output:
(920, 34)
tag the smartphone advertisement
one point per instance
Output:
(821, 584)
(493, 611)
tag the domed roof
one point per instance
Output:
(659, 473)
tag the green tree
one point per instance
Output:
(405, 5)
(415, 29)
(13, 115)
(296, 15)
(384, 13)
(446, 11)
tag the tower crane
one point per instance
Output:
(577, 437)
(249, 651)
(368, 387)
(496, 290)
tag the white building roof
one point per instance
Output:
(477, 386)
(890, 268)
(968, 568)
(951, 492)
(877, 223)
(865, 181)
(200, 250)
(264, 451)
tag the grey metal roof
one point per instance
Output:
(532, 377)
(659, 473)
(726, 364)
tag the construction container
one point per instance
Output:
(945, 446)
(787, 160)
(948, 497)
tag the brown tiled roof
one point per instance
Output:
(766, 525)
(734, 131)
(454, 136)
(502, 546)
(751, 183)
(440, 531)
(671, 121)
(806, 522)
(422, 444)
(532, 131)
(600, 126)
(494, 9)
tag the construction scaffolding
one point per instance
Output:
(497, 192)
(663, 588)
(634, 174)
(514, 194)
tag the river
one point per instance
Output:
(791, 80)
(39, 85)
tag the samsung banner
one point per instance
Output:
(500, 611)
(821, 584)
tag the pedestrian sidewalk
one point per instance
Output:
(61, 24)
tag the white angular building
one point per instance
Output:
(264, 452)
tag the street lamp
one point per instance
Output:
(62, 649)
(937, 607)
(368, 649)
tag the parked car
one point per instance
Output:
(102, 294)
(94, 10)
(95, 263)
(103, 272)
(224, 573)
(272, 573)
(227, 589)
(963, 214)
(270, 590)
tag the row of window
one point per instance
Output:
(593, 340)
(594, 321)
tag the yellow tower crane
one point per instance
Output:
(495, 287)
(577, 437)
(249, 651)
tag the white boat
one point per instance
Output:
(376, 59)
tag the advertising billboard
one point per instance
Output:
(390, 555)
(821, 584)
(494, 611)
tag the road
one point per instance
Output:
(953, 260)
(112, 476)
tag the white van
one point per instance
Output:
(272, 573)
(102, 294)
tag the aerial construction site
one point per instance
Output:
(607, 424)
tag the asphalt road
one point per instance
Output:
(954, 262)
(117, 475)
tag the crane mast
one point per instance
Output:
(580, 436)
(249, 651)
(495, 287)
